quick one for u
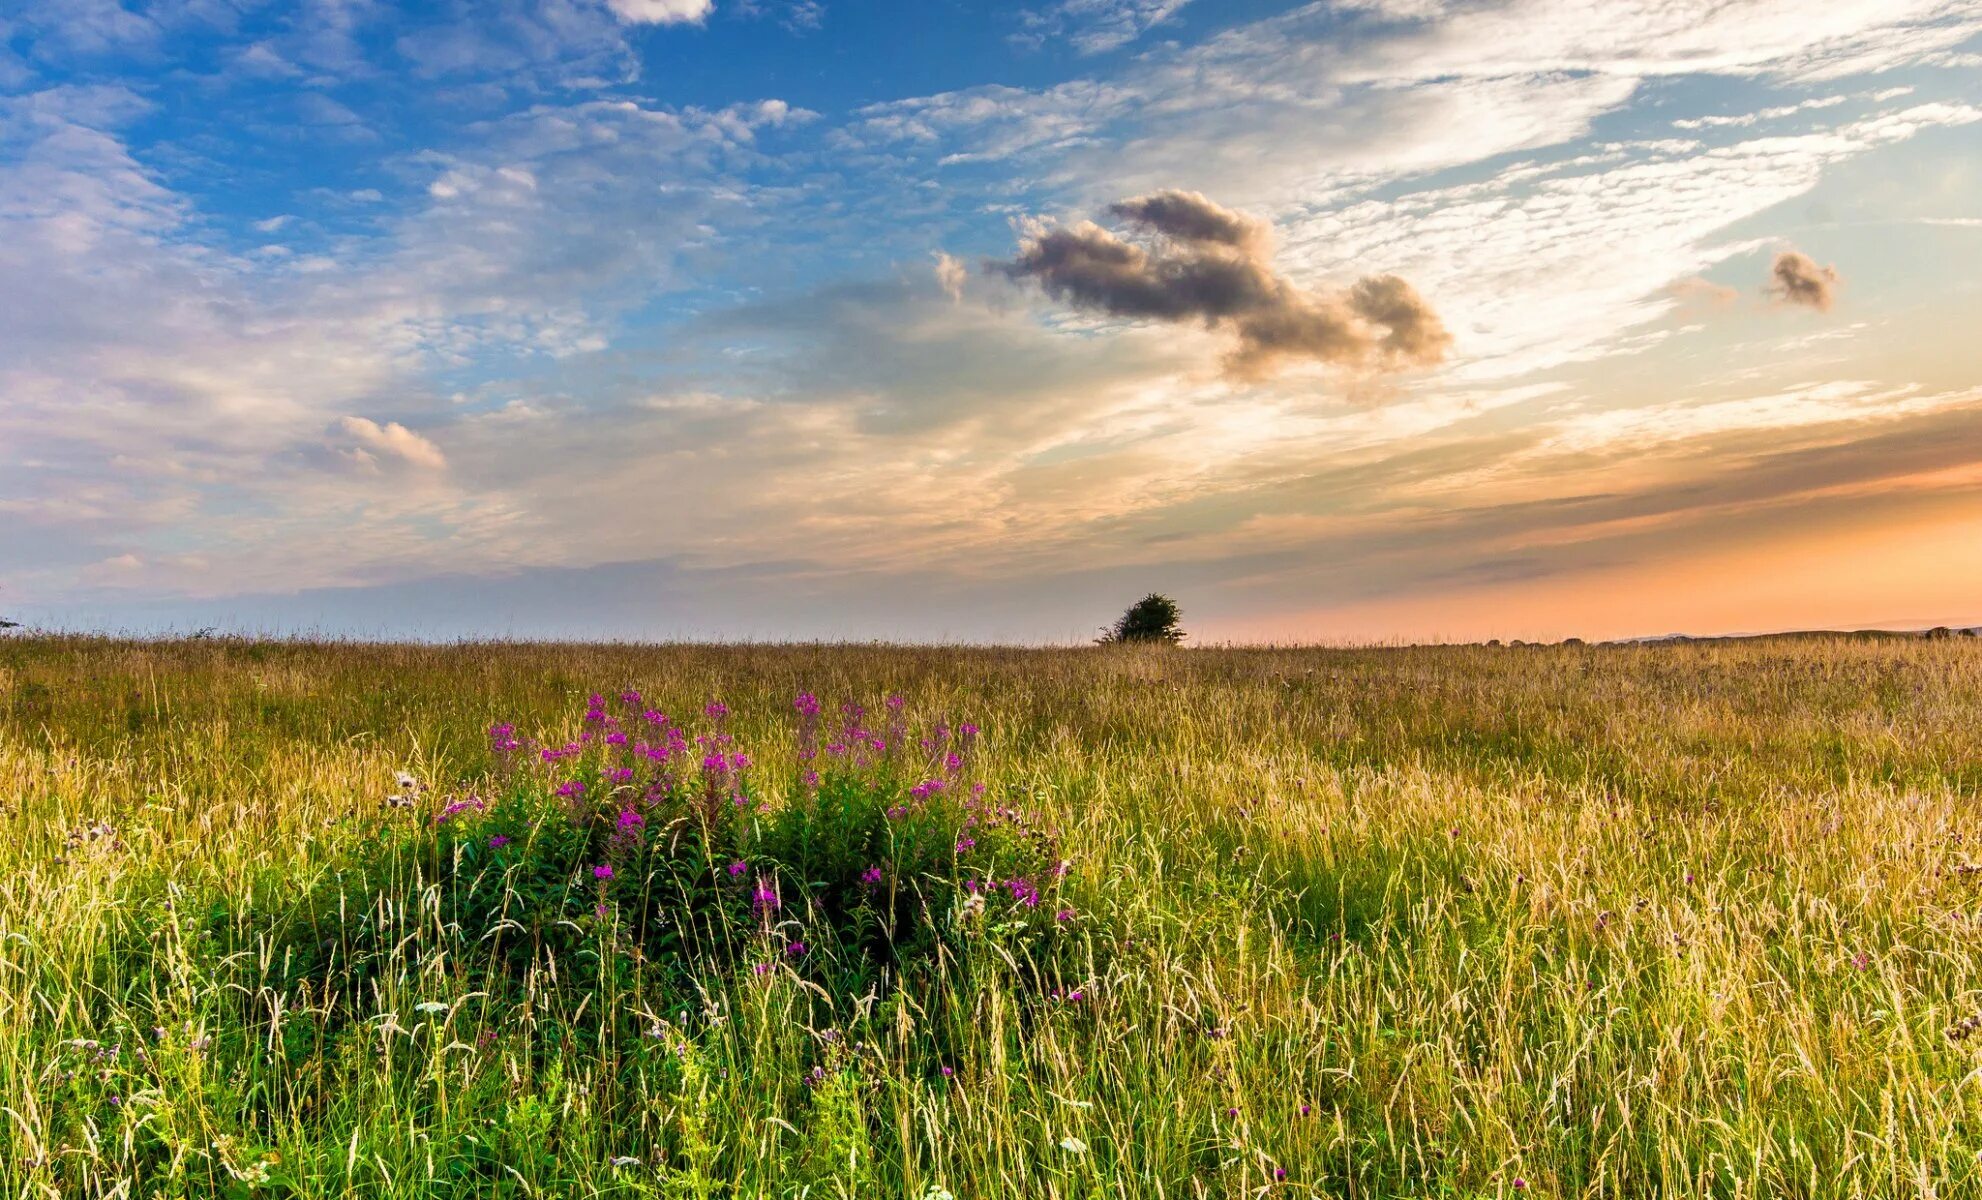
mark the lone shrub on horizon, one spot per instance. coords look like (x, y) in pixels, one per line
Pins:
(1152, 619)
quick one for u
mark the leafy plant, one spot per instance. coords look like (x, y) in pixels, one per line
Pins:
(1154, 619)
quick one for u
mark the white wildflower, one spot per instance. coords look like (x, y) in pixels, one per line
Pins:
(1073, 1145)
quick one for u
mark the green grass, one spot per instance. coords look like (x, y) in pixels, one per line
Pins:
(1678, 920)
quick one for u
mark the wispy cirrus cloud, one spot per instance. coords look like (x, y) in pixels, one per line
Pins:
(1096, 26)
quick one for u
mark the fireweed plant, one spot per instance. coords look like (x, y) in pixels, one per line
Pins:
(642, 850)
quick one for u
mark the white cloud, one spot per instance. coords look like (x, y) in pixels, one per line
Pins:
(660, 12)
(951, 275)
(1098, 26)
(391, 440)
(1544, 265)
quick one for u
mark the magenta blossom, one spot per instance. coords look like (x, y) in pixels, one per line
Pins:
(602, 871)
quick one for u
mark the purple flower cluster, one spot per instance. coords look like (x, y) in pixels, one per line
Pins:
(632, 772)
(451, 811)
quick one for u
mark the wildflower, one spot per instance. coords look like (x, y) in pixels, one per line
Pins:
(762, 968)
(571, 789)
(1073, 1145)
(870, 876)
(1065, 914)
(948, 1071)
(964, 844)
(715, 710)
(807, 704)
(602, 871)
(1279, 1173)
(1231, 1112)
(1861, 960)
(629, 820)
(738, 868)
(795, 949)
(1076, 996)
(765, 898)
(407, 783)
(498, 841)
(896, 702)
(1306, 1109)
(1520, 1184)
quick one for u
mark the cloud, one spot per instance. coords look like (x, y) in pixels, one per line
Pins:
(950, 276)
(1797, 279)
(391, 440)
(1098, 26)
(1696, 291)
(1189, 217)
(1209, 264)
(659, 12)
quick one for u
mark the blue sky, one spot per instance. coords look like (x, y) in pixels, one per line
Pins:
(714, 318)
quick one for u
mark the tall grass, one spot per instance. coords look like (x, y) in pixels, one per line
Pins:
(1676, 920)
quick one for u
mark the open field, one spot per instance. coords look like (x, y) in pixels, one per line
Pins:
(1678, 920)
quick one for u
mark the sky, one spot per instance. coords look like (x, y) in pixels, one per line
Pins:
(1358, 320)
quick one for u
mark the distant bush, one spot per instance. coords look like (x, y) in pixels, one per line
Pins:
(1154, 619)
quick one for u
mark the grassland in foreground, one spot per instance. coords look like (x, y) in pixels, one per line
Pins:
(1678, 920)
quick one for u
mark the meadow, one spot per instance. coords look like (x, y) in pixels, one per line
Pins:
(1677, 920)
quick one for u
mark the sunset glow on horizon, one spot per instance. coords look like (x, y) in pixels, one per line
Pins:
(1347, 321)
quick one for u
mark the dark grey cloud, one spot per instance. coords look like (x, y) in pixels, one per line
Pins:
(1796, 278)
(1203, 262)
(1190, 217)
